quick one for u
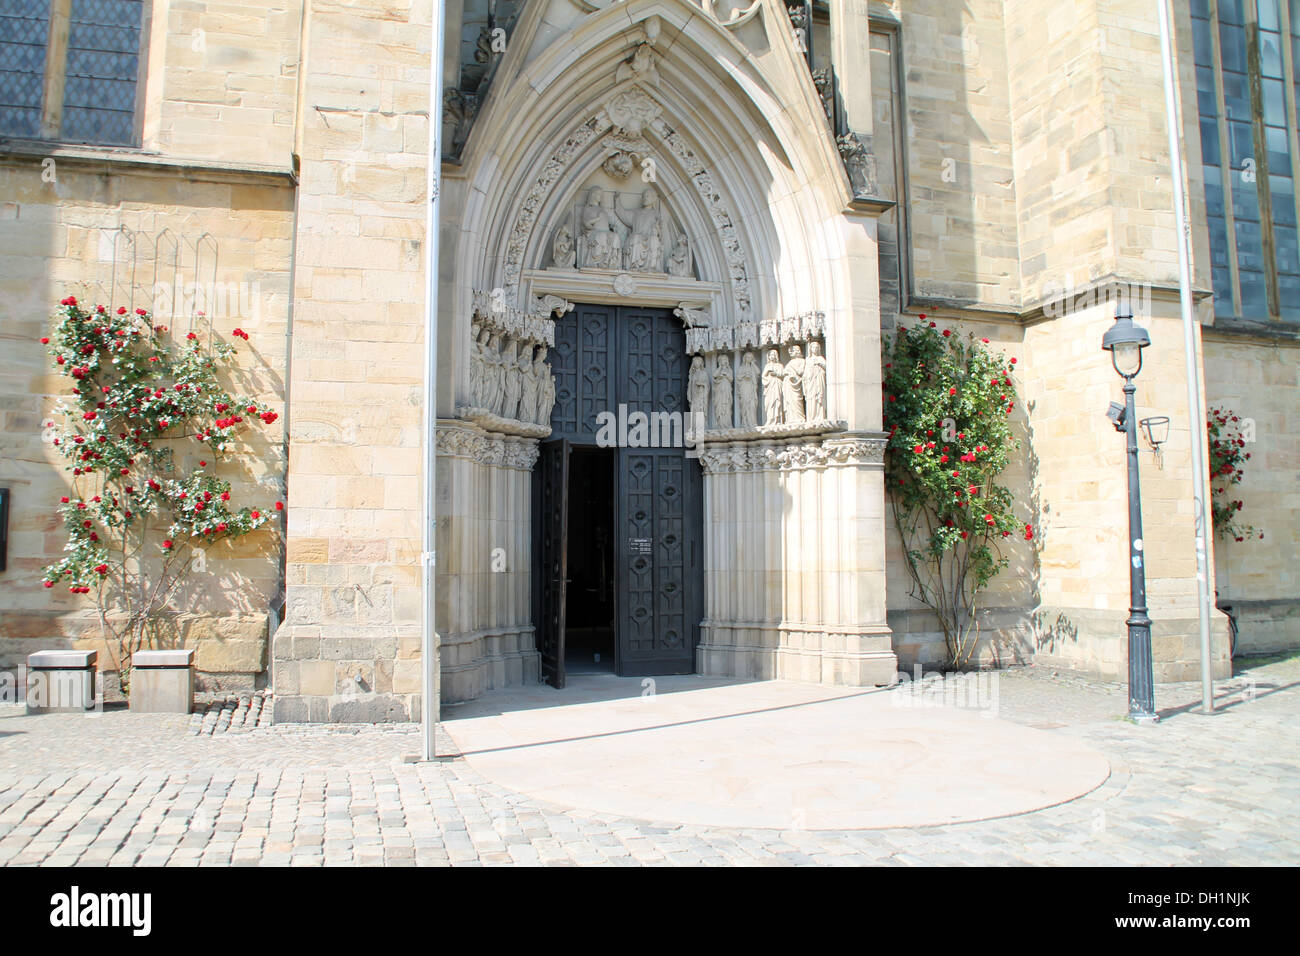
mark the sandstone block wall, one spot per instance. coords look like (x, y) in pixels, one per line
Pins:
(58, 238)
(1259, 380)
(352, 623)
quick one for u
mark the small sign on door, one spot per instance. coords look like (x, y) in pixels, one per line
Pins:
(639, 545)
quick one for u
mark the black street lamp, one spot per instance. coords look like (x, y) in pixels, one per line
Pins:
(1125, 342)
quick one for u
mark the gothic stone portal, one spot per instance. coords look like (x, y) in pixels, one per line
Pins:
(619, 556)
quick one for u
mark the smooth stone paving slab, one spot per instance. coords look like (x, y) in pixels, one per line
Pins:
(771, 754)
(220, 788)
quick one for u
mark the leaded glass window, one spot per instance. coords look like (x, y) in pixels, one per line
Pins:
(1246, 91)
(69, 69)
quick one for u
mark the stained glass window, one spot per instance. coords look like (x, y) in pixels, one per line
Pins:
(69, 69)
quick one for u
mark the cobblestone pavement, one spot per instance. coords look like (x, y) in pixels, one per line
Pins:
(161, 789)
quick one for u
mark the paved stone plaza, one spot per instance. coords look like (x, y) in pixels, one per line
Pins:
(222, 787)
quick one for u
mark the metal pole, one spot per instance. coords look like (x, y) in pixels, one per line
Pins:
(432, 695)
(1195, 409)
(1141, 689)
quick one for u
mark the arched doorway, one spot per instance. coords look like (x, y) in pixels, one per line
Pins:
(618, 500)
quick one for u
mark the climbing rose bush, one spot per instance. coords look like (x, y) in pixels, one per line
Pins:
(136, 519)
(947, 403)
(1228, 454)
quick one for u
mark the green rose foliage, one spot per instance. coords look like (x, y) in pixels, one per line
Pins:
(947, 403)
(134, 397)
(1228, 455)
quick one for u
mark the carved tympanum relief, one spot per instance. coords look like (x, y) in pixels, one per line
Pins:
(619, 230)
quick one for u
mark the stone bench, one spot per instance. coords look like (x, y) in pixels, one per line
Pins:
(162, 682)
(59, 681)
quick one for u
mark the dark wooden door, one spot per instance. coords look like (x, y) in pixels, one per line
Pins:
(659, 505)
(608, 356)
(553, 472)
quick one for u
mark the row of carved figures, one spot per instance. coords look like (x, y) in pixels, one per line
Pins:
(511, 378)
(792, 392)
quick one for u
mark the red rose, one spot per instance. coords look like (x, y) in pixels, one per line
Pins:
(225, 496)
(256, 515)
(48, 584)
(946, 333)
(203, 464)
(279, 506)
(64, 499)
(167, 543)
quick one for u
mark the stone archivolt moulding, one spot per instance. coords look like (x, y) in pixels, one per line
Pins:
(626, 115)
(463, 440)
(794, 456)
(739, 14)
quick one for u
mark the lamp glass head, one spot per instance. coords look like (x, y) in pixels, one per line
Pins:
(1125, 342)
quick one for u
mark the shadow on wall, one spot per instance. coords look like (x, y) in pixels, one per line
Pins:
(69, 239)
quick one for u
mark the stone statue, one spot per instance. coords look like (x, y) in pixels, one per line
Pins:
(679, 261)
(493, 384)
(545, 387)
(563, 254)
(792, 394)
(513, 382)
(722, 412)
(697, 389)
(773, 377)
(814, 382)
(747, 391)
(528, 383)
(645, 246)
(474, 385)
(601, 244)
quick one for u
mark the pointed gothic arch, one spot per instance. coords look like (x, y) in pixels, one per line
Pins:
(727, 114)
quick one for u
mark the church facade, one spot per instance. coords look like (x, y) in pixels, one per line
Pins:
(674, 236)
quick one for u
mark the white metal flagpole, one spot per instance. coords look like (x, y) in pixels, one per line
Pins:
(432, 696)
(1194, 407)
